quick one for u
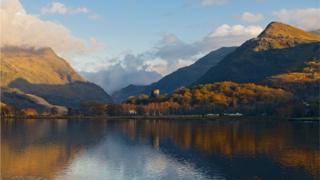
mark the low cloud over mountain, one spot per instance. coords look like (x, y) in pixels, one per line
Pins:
(117, 77)
(169, 54)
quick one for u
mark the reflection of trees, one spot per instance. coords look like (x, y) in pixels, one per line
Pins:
(45, 147)
(280, 141)
(35, 161)
(41, 148)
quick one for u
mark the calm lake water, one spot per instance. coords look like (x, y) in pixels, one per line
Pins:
(159, 149)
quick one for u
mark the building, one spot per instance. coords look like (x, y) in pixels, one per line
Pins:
(155, 93)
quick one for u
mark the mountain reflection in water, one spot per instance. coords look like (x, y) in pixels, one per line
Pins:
(159, 149)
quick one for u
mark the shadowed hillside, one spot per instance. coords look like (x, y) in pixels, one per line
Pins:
(70, 95)
(20, 100)
(42, 73)
(131, 90)
(278, 49)
(180, 78)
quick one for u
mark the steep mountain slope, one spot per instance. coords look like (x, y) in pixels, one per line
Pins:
(124, 93)
(37, 66)
(179, 78)
(278, 49)
(42, 73)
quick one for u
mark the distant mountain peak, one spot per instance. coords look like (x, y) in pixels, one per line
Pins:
(281, 30)
(36, 65)
(279, 35)
(273, 29)
(280, 48)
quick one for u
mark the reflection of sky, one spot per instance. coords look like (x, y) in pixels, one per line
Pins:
(116, 159)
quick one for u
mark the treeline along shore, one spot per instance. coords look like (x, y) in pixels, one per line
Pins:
(210, 117)
(276, 74)
(294, 94)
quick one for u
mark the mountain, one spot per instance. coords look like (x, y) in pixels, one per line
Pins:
(20, 100)
(317, 31)
(131, 90)
(179, 78)
(280, 48)
(117, 77)
(37, 66)
(305, 84)
(42, 73)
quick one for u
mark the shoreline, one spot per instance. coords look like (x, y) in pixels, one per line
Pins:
(167, 117)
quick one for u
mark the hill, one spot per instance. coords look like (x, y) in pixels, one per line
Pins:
(280, 48)
(180, 78)
(305, 84)
(131, 90)
(222, 97)
(42, 73)
(20, 100)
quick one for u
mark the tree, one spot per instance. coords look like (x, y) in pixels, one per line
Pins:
(54, 111)
(29, 112)
(93, 109)
(6, 111)
(219, 97)
(114, 110)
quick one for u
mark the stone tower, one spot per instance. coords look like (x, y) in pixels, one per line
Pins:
(155, 93)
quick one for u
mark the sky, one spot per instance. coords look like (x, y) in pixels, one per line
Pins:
(115, 43)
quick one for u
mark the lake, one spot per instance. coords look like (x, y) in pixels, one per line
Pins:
(159, 149)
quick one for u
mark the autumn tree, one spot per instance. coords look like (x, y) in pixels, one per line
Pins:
(114, 109)
(29, 112)
(93, 109)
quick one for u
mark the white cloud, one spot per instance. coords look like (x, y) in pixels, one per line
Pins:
(157, 65)
(226, 36)
(80, 10)
(13, 6)
(169, 54)
(22, 29)
(251, 18)
(129, 69)
(236, 30)
(55, 7)
(308, 19)
(213, 2)
(94, 16)
(169, 39)
(177, 53)
(59, 8)
(172, 49)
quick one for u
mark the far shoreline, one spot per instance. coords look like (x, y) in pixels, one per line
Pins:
(166, 117)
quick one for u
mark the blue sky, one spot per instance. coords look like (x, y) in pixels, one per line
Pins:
(115, 43)
(138, 24)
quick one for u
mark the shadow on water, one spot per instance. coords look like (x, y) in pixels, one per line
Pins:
(159, 149)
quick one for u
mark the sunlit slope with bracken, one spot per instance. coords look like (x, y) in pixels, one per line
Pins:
(42, 73)
(37, 66)
(280, 48)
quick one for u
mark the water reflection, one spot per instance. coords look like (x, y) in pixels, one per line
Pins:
(153, 149)
(40, 149)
